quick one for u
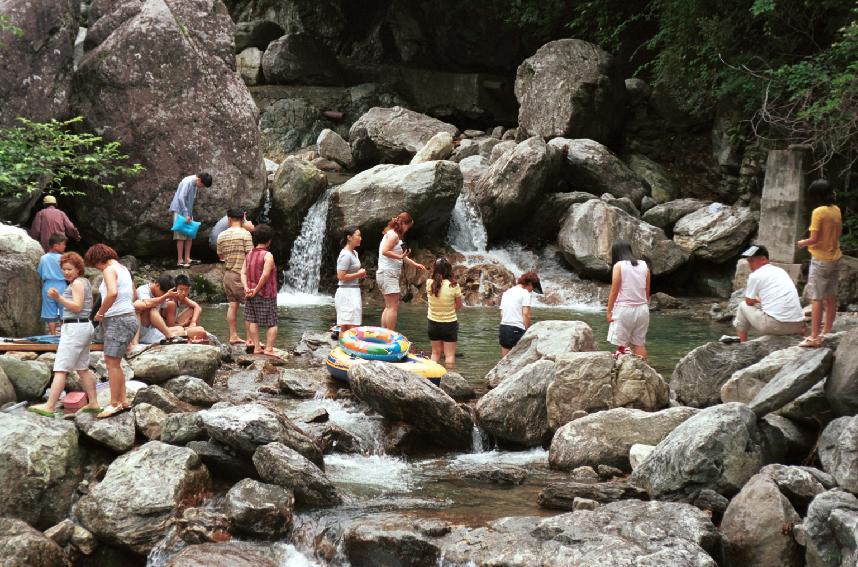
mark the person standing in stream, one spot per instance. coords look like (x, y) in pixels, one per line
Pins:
(259, 278)
(391, 256)
(182, 206)
(349, 273)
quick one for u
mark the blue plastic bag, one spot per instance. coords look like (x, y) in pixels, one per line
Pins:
(189, 229)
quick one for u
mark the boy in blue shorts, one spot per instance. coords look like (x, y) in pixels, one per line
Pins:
(52, 277)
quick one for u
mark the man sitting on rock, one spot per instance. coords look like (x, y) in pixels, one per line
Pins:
(771, 305)
(181, 310)
(151, 306)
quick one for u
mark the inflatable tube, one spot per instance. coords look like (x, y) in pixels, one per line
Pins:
(375, 343)
(339, 362)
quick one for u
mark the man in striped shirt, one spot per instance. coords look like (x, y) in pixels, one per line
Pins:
(233, 244)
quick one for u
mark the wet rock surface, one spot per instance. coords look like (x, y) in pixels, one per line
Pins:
(159, 364)
(258, 509)
(278, 464)
(23, 546)
(132, 507)
(40, 464)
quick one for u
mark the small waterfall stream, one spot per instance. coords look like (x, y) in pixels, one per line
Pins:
(563, 288)
(301, 282)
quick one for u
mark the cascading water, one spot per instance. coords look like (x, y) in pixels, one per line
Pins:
(563, 288)
(301, 282)
(466, 232)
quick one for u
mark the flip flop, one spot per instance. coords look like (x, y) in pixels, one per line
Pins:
(90, 410)
(238, 342)
(111, 411)
(810, 342)
(40, 410)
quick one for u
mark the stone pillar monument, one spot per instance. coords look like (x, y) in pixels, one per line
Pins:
(783, 211)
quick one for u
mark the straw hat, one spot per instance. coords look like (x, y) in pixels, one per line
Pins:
(49, 200)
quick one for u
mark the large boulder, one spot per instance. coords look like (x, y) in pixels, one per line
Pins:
(297, 185)
(40, 467)
(631, 532)
(588, 382)
(245, 427)
(28, 377)
(661, 188)
(792, 381)
(259, 509)
(514, 183)
(605, 437)
(278, 464)
(754, 523)
(134, 505)
(132, 88)
(831, 530)
(590, 229)
(400, 395)
(515, 410)
(841, 387)
(718, 449)
(36, 65)
(590, 166)
(393, 539)
(7, 390)
(370, 199)
(192, 390)
(700, 374)
(116, 433)
(838, 452)
(666, 215)
(570, 88)
(392, 135)
(300, 58)
(543, 340)
(161, 363)
(19, 257)
(229, 554)
(23, 546)
(746, 382)
(332, 146)
(439, 146)
(715, 233)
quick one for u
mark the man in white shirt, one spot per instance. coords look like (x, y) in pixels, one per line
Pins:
(771, 305)
(515, 311)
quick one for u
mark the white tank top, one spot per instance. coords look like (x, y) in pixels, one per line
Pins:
(389, 264)
(124, 303)
(633, 283)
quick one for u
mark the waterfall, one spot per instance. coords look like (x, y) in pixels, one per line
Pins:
(467, 235)
(301, 282)
(466, 232)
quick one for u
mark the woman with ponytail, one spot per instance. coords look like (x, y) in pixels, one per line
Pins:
(390, 259)
(349, 274)
(445, 298)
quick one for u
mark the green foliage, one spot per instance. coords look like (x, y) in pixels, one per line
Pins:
(52, 157)
(6, 25)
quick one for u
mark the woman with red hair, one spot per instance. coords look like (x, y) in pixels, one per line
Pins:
(118, 318)
(391, 255)
(76, 337)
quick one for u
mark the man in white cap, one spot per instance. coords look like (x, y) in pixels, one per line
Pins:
(50, 221)
(771, 305)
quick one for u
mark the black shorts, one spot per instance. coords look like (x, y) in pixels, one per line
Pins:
(447, 332)
(508, 336)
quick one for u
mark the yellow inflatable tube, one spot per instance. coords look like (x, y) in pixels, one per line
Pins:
(339, 362)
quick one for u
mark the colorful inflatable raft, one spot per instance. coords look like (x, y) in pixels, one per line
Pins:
(339, 362)
(375, 343)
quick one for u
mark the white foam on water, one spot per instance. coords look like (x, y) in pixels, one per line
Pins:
(291, 557)
(532, 456)
(380, 472)
(351, 417)
(292, 298)
(301, 280)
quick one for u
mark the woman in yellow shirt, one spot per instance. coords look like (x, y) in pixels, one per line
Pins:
(826, 226)
(445, 298)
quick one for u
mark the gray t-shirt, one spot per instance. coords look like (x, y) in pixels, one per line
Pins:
(349, 263)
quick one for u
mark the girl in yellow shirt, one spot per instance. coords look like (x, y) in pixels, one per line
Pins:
(445, 298)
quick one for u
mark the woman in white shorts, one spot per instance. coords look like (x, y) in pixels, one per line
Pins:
(75, 338)
(390, 259)
(349, 273)
(628, 303)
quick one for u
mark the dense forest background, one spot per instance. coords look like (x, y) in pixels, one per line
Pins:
(789, 66)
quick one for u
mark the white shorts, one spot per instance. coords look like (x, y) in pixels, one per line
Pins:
(73, 350)
(349, 308)
(629, 326)
(388, 281)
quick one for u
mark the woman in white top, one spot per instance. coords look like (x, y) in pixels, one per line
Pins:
(118, 318)
(628, 303)
(390, 259)
(349, 273)
(515, 311)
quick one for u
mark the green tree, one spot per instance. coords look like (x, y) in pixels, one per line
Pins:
(52, 157)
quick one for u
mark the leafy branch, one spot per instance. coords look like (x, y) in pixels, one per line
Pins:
(52, 157)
